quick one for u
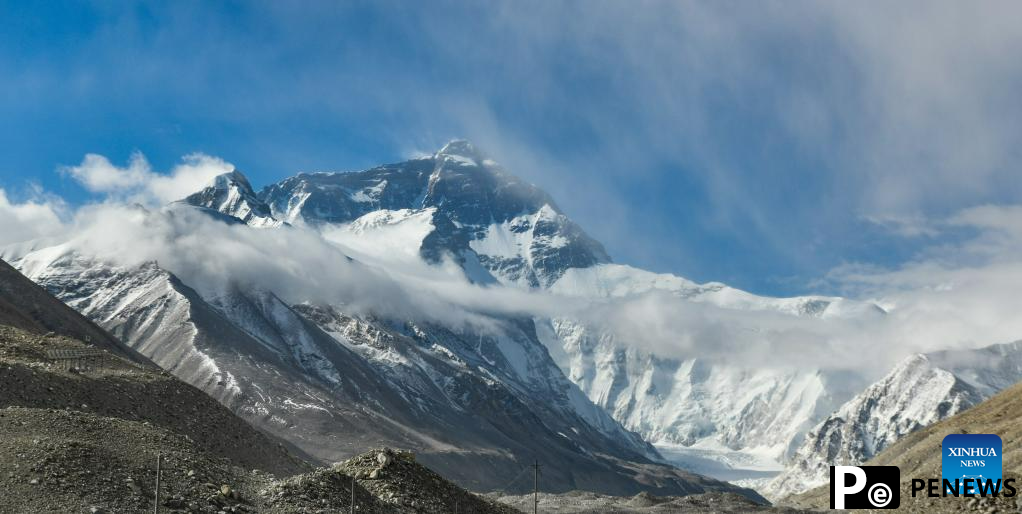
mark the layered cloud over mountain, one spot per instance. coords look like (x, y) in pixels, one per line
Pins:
(430, 285)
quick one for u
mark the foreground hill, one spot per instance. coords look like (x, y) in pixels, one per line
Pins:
(25, 305)
(919, 456)
(583, 502)
(83, 435)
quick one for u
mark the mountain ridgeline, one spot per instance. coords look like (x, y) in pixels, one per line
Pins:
(468, 194)
(477, 406)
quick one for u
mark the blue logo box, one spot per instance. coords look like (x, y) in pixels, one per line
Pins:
(975, 456)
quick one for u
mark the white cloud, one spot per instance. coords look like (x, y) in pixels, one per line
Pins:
(99, 175)
(32, 219)
(137, 182)
(961, 292)
(952, 295)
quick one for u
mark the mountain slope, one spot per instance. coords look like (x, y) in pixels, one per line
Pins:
(25, 305)
(475, 406)
(458, 205)
(918, 455)
(79, 434)
(713, 416)
(923, 389)
(86, 437)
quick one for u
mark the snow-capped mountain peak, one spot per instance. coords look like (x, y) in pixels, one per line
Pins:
(460, 150)
(477, 207)
(457, 205)
(231, 194)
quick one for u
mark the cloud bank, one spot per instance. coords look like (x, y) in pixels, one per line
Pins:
(951, 295)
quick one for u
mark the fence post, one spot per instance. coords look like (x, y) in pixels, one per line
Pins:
(535, 489)
(156, 503)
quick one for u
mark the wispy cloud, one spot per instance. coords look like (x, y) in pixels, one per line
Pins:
(138, 182)
(685, 135)
(960, 293)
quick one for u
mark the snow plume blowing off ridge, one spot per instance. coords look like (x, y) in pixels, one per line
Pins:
(933, 303)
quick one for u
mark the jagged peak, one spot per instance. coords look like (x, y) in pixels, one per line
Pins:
(460, 148)
(235, 178)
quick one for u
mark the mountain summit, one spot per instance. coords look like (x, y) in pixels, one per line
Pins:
(232, 194)
(476, 401)
(486, 219)
(461, 148)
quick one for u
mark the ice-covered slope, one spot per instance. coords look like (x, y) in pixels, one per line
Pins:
(730, 420)
(919, 455)
(476, 406)
(921, 390)
(458, 205)
(618, 281)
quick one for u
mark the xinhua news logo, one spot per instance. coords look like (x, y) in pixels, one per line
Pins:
(865, 487)
(970, 466)
(974, 459)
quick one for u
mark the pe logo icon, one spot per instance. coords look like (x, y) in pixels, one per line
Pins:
(972, 459)
(865, 487)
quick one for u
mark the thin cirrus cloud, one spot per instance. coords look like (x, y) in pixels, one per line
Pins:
(685, 135)
(872, 148)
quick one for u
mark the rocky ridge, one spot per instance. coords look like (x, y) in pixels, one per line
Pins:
(922, 390)
(918, 455)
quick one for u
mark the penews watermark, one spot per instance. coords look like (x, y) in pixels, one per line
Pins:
(865, 487)
(971, 465)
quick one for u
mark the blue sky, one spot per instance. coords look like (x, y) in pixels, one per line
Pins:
(764, 145)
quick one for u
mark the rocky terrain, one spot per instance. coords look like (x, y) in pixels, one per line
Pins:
(27, 306)
(581, 502)
(84, 434)
(396, 478)
(918, 455)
